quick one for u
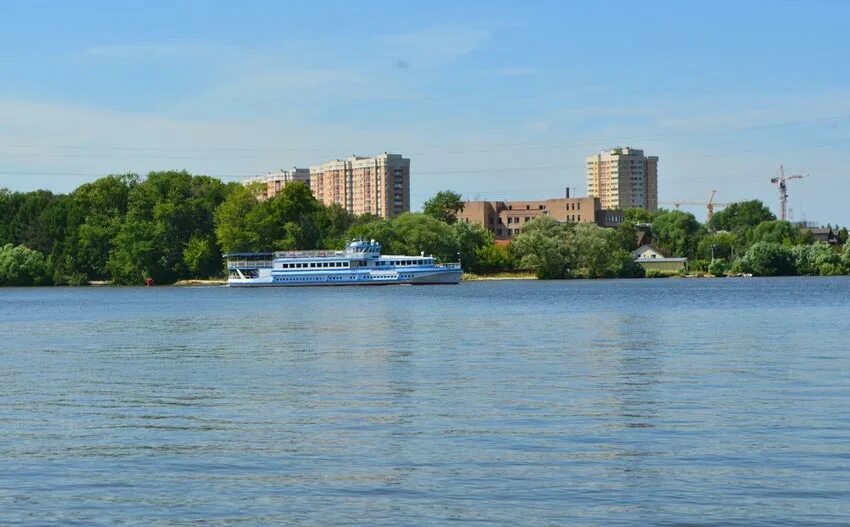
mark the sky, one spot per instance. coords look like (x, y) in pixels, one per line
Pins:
(494, 100)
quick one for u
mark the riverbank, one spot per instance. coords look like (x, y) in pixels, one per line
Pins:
(471, 277)
(198, 282)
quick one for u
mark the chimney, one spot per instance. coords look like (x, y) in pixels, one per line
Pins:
(568, 192)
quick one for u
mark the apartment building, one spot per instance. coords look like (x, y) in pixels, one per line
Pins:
(274, 182)
(377, 185)
(623, 178)
(505, 219)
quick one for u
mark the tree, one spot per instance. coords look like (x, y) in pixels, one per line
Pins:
(596, 252)
(201, 257)
(101, 207)
(20, 266)
(776, 231)
(744, 214)
(469, 239)
(677, 232)
(637, 215)
(416, 232)
(165, 212)
(627, 233)
(541, 247)
(234, 229)
(768, 259)
(493, 258)
(333, 223)
(816, 259)
(845, 257)
(842, 235)
(719, 245)
(444, 206)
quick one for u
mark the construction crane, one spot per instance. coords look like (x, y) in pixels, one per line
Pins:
(783, 189)
(708, 206)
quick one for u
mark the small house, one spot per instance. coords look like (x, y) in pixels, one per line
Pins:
(652, 259)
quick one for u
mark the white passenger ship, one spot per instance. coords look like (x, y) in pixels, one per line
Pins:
(360, 264)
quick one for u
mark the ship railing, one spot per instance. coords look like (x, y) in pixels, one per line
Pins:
(454, 265)
(309, 254)
(248, 264)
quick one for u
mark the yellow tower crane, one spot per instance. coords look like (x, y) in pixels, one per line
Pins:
(709, 206)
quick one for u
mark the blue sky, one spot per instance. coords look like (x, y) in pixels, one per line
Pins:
(496, 100)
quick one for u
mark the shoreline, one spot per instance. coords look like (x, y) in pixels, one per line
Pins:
(472, 277)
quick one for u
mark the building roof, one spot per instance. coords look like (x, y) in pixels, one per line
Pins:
(648, 247)
(661, 258)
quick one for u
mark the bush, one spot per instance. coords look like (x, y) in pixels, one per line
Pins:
(22, 266)
(812, 259)
(719, 268)
(655, 273)
(493, 258)
(768, 259)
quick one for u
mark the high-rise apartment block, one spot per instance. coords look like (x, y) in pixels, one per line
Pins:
(377, 185)
(274, 182)
(623, 178)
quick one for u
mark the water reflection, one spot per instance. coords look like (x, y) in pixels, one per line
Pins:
(513, 403)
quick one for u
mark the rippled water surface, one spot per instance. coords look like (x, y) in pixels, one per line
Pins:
(704, 402)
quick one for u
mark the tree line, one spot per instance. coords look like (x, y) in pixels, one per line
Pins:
(174, 225)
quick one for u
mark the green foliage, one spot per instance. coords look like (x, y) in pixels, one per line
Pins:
(636, 215)
(201, 257)
(173, 225)
(719, 267)
(101, 207)
(745, 214)
(816, 259)
(469, 239)
(164, 213)
(768, 259)
(444, 206)
(655, 273)
(717, 245)
(583, 250)
(541, 248)
(20, 266)
(845, 257)
(677, 233)
(292, 219)
(234, 222)
(493, 258)
(777, 231)
(591, 250)
(417, 232)
(627, 232)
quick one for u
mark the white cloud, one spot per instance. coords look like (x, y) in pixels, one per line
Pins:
(434, 46)
(159, 51)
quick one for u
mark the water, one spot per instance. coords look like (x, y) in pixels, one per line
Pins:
(650, 402)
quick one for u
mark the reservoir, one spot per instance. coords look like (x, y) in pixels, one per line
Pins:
(642, 402)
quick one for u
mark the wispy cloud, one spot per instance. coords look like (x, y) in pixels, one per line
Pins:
(156, 51)
(516, 72)
(436, 45)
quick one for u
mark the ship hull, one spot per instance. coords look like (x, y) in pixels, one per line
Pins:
(438, 277)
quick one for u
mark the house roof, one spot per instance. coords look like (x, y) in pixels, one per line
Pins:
(647, 247)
